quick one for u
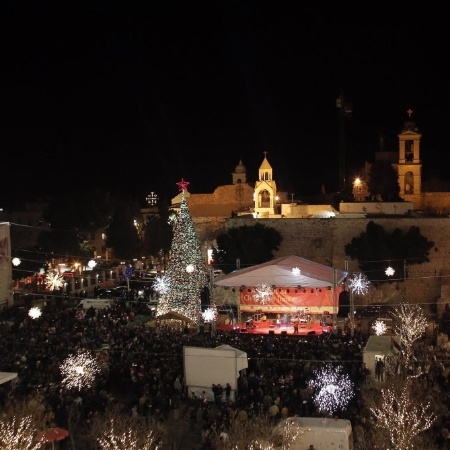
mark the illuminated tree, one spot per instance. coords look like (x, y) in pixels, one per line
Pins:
(18, 434)
(115, 430)
(401, 417)
(257, 434)
(21, 421)
(119, 438)
(186, 274)
(411, 325)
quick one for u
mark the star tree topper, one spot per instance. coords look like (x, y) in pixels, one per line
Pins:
(183, 185)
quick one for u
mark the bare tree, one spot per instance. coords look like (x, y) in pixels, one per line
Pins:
(411, 325)
(401, 416)
(257, 433)
(21, 421)
(116, 430)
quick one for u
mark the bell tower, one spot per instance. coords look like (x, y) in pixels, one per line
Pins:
(409, 164)
(265, 190)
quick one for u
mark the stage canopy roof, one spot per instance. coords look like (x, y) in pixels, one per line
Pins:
(279, 272)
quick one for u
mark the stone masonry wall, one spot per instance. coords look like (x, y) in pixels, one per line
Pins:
(323, 241)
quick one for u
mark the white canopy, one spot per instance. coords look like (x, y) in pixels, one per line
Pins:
(279, 272)
(7, 376)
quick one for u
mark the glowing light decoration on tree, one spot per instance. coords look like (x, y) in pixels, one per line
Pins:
(379, 327)
(35, 313)
(411, 325)
(359, 284)
(184, 290)
(190, 268)
(132, 439)
(403, 416)
(161, 285)
(54, 281)
(296, 271)
(79, 370)
(19, 434)
(210, 314)
(263, 293)
(333, 389)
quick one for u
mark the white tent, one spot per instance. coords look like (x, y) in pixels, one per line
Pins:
(279, 272)
(7, 376)
(204, 367)
(384, 347)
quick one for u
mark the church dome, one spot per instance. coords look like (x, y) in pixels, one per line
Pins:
(240, 168)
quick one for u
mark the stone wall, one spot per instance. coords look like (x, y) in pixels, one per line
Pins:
(323, 241)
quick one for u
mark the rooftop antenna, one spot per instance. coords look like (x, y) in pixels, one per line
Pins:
(292, 198)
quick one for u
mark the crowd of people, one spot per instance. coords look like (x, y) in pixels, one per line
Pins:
(148, 361)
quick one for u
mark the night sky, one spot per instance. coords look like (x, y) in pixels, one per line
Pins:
(132, 98)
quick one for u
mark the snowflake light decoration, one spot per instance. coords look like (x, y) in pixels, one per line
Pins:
(263, 293)
(333, 389)
(190, 268)
(389, 271)
(92, 264)
(296, 271)
(359, 284)
(161, 285)
(16, 261)
(379, 327)
(35, 313)
(79, 371)
(54, 281)
(210, 314)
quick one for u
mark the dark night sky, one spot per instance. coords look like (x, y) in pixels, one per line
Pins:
(133, 98)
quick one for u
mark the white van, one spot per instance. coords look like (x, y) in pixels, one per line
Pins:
(97, 303)
(323, 433)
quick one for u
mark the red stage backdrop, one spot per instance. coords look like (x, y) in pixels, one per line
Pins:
(292, 300)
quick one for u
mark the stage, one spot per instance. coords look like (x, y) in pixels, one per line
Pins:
(266, 327)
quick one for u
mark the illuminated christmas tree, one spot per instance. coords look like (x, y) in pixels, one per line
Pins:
(186, 274)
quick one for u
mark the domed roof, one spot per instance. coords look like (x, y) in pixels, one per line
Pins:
(240, 168)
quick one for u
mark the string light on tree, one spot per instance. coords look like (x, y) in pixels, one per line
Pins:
(263, 293)
(133, 439)
(359, 284)
(54, 281)
(411, 325)
(35, 313)
(379, 327)
(333, 388)
(403, 416)
(79, 370)
(190, 268)
(18, 434)
(184, 290)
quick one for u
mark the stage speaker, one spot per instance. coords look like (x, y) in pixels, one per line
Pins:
(243, 330)
(271, 331)
(284, 332)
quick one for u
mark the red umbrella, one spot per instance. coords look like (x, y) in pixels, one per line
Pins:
(52, 435)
